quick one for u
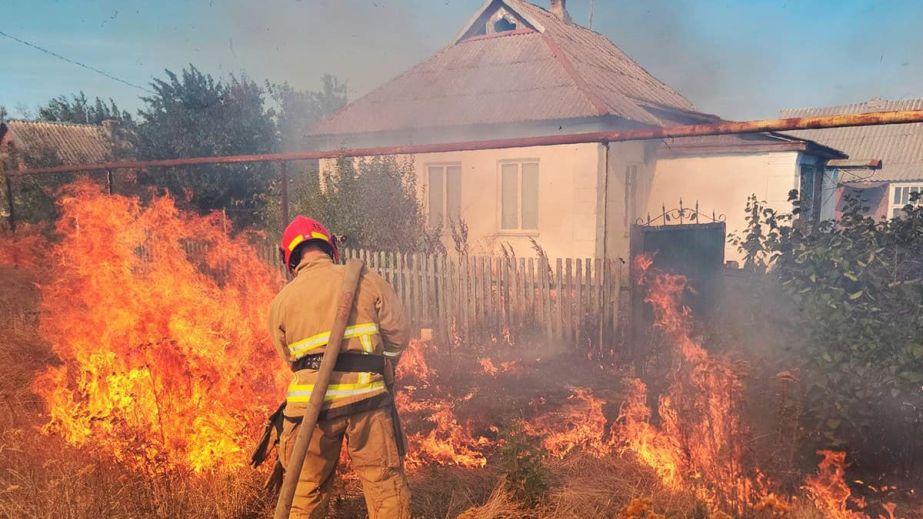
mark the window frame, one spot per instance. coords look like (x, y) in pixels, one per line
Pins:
(445, 192)
(518, 230)
(810, 211)
(896, 209)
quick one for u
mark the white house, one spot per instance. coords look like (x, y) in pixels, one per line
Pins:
(517, 70)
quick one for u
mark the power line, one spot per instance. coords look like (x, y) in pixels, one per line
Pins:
(79, 64)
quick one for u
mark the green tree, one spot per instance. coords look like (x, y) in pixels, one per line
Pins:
(373, 201)
(298, 110)
(192, 114)
(78, 109)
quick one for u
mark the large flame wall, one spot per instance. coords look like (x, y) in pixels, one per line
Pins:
(159, 362)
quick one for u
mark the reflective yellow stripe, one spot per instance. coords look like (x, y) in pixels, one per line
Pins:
(302, 392)
(363, 331)
(319, 236)
(296, 241)
(366, 340)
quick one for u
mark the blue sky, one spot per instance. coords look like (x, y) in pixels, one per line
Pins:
(737, 58)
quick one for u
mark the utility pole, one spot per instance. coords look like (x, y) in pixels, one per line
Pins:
(589, 22)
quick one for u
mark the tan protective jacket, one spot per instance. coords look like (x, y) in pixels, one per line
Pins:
(300, 317)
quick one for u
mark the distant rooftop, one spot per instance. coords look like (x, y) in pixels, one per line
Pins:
(71, 143)
(898, 146)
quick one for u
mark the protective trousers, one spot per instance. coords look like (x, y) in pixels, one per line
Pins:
(373, 454)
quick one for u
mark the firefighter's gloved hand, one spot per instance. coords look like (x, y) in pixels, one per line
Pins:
(389, 372)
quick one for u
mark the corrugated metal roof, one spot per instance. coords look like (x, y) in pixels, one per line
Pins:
(605, 68)
(72, 143)
(899, 146)
(559, 71)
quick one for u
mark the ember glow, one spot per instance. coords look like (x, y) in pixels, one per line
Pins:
(160, 363)
(579, 424)
(436, 437)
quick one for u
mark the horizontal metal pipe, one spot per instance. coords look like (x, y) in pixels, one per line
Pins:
(692, 130)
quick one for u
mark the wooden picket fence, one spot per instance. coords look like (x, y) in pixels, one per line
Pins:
(572, 302)
(569, 302)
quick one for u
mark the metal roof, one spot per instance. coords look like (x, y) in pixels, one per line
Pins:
(553, 70)
(71, 143)
(898, 146)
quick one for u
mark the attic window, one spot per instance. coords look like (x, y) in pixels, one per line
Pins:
(501, 21)
(504, 25)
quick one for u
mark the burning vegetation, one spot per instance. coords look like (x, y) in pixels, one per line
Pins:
(153, 374)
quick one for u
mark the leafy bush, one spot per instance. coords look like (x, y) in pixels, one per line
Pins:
(857, 286)
(373, 202)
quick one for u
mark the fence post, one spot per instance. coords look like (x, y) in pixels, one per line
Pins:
(486, 285)
(520, 271)
(578, 318)
(546, 298)
(503, 287)
(530, 295)
(431, 301)
(602, 280)
(468, 302)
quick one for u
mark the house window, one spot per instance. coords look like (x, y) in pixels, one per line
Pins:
(519, 196)
(444, 196)
(902, 195)
(809, 190)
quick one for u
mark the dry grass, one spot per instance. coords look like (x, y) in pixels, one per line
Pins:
(42, 477)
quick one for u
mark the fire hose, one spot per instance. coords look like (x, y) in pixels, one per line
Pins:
(313, 409)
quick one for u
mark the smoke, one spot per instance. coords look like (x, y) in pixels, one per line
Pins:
(362, 42)
(746, 60)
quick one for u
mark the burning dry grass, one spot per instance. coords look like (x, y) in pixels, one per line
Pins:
(594, 447)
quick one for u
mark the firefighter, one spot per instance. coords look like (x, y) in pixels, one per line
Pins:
(358, 405)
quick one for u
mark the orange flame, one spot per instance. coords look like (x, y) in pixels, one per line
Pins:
(828, 487)
(577, 425)
(160, 362)
(488, 366)
(699, 443)
(446, 442)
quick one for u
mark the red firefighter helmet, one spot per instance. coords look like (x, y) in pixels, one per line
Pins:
(302, 230)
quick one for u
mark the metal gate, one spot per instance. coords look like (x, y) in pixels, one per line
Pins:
(681, 241)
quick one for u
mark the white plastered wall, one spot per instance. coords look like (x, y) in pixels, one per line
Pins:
(722, 183)
(626, 200)
(567, 197)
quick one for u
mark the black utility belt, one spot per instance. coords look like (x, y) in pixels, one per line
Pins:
(346, 362)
